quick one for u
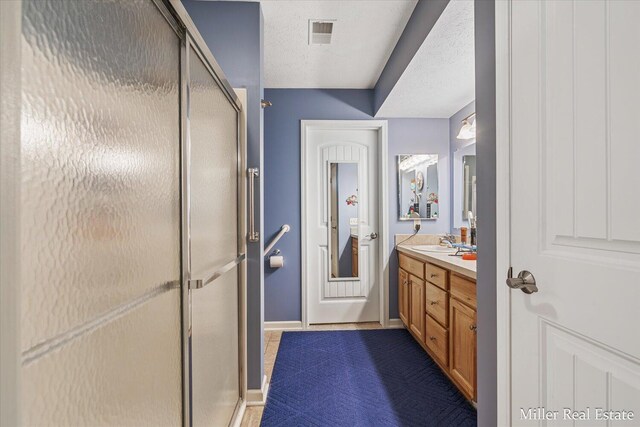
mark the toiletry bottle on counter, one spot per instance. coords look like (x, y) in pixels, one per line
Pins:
(473, 233)
(463, 235)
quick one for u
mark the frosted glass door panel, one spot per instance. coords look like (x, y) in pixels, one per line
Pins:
(213, 132)
(214, 242)
(100, 213)
(100, 159)
(215, 355)
(124, 374)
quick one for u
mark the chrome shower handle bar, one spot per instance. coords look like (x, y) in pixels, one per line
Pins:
(201, 283)
(253, 173)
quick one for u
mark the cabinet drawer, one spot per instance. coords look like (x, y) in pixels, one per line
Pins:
(437, 303)
(436, 339)
(464, 290)
(411, 265)
(436, 275)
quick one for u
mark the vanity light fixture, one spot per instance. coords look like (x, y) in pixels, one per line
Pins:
(410, 162)
(468, 129)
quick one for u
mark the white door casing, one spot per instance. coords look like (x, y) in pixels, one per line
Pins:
(350, 300)
(570, 114)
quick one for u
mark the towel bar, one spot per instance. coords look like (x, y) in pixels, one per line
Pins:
(284, 229)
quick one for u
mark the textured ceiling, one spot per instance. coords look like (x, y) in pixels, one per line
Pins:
(440, 79)
(364, 36)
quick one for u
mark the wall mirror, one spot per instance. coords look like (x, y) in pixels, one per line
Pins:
(343, 219)
(418, 186)
(464, 184)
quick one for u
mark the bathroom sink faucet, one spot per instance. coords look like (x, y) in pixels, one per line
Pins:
(448, 238)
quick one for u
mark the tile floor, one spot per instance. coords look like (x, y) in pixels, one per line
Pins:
(253, 414)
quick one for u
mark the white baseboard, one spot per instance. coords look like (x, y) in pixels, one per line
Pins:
(258, 397)
(236, 421)
(291, 325)
(395, 324)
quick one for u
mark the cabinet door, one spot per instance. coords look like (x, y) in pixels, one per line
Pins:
(462, 346)
(403, 296)
(416, 316)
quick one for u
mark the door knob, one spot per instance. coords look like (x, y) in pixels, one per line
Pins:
(373, 236)
(525, 281)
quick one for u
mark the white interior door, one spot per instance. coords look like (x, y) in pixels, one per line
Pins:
(347, 290)
(575, 68)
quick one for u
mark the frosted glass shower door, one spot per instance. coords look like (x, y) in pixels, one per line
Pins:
(100, 215)
(214, 250)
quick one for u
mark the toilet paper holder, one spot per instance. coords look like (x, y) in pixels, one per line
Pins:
(276, 260)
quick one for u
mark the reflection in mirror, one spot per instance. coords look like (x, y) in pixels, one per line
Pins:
(417, 186)
(464, 193)
(343, 235)
(469, 185)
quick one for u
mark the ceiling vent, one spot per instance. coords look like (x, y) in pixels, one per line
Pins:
(320, 31)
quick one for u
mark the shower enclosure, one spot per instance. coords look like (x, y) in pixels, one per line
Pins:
(131, 219)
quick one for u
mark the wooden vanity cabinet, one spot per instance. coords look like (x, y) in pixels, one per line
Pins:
(438, 307)
(403, 296)
(462, 347)
(416, 307)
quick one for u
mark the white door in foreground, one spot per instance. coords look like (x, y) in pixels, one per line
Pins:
(340, 201)
(575, 209)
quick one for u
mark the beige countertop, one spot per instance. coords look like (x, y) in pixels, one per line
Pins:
(453, 263)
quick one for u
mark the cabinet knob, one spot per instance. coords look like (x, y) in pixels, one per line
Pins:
(432, 338)
(433, 275)
(473, 328)
(433, 302)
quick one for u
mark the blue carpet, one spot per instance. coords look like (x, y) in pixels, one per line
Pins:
(360, 378)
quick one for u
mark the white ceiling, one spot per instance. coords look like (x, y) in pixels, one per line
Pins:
(440, 79)
(364, 36)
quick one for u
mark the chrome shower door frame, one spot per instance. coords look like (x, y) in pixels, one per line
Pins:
(191, 38)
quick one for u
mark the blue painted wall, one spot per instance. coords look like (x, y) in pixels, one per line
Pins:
(282, 179)
(422, 20)
(455, 123)
(233, 32)
(485, 53)
(415, 136)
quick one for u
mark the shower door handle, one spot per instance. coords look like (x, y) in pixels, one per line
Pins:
(253, 173)
(217, 272)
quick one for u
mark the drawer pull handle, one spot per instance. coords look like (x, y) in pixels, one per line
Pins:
(434, 302)
(473, 327)
(433, 275)
(432, 338)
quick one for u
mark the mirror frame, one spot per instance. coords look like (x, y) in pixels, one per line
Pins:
(398, 157)
(457, 191)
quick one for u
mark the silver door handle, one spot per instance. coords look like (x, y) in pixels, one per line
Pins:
(253, 173)
(525, 281)
(373, 236)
